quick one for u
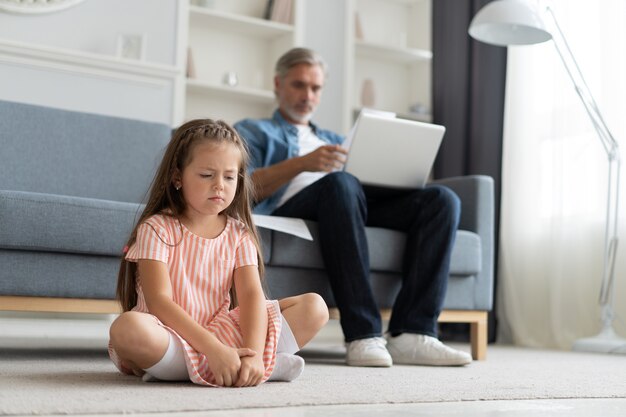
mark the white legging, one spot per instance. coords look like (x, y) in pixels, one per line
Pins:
(172, 366)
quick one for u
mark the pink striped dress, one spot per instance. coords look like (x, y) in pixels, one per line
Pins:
(201, 271)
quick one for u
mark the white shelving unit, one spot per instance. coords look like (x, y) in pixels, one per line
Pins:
(394, 55)
(397, 54)
(232, 37)
(256, 95)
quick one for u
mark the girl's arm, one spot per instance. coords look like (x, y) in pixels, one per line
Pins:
(253, 323)
(157, 288)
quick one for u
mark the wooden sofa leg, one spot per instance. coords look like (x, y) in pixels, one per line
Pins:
(478, 338)
(478, 328)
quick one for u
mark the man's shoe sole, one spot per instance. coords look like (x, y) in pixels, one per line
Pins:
(378, 363)
(431, 363)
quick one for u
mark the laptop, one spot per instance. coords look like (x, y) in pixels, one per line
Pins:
(386, 151)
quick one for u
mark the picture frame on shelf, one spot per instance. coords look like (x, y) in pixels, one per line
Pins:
(131, 46)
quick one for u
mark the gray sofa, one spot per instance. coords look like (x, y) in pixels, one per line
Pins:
(71, 184)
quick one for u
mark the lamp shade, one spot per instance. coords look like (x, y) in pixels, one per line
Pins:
(508, 22)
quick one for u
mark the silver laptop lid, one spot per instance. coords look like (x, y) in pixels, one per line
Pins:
(392, 152)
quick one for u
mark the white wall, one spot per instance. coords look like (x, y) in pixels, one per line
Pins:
(69, 59)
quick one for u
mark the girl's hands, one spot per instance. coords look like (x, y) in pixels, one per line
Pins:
(251, 371)
(226, 362)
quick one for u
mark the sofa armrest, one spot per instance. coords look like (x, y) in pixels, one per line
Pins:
(477, 215)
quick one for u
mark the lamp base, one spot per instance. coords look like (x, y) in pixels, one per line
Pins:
(607, 341)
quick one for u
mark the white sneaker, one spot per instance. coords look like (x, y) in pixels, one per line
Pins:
(368, 352)
(419, 349)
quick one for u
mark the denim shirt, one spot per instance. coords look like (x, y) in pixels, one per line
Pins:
(274, 140)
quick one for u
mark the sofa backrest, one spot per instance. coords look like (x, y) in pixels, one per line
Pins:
(55, 151)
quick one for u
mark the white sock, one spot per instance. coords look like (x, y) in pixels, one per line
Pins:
(287, 367)
(149, 378)
(171, 367)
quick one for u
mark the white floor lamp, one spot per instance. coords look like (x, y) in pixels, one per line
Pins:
(517, 22)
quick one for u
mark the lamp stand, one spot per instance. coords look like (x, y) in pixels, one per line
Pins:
(607, 341)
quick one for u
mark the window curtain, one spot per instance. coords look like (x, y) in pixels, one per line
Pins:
(468, 99)
(554, 181)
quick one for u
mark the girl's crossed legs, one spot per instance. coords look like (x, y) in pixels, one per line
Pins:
(141, 343)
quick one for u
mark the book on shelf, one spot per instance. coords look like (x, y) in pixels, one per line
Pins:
(280, 10)
(267, 14)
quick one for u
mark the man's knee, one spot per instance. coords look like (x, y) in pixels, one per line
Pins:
(446, 200)
(343, 189)
(343, 182)
(446, 195)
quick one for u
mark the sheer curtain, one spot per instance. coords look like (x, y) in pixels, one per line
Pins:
(554, 181)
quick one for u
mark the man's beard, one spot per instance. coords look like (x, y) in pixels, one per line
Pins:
(299, 117)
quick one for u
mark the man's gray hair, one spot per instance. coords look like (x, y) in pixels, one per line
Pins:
(298, 56)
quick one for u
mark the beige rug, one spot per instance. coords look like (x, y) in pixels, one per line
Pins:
(84, 382)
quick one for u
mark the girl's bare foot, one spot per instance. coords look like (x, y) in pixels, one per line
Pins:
(130, 368)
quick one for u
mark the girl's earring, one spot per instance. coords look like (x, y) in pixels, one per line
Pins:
(177, 187)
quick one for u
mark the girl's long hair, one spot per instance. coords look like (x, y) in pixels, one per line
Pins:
(164, 199)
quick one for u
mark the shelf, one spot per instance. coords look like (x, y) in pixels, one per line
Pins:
(212, 90)
(87, 60)
(230, 22)
(392, 53)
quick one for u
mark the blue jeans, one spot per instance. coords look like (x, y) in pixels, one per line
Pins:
(342, 207)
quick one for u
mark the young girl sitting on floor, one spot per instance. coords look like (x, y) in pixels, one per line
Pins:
(194, 245)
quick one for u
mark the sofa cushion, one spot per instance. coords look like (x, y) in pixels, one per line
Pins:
(265, 237)
(55, 223)
(385, 251)
(54, 151)
(50, 274)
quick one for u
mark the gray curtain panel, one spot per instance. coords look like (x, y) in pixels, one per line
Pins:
(468, 98)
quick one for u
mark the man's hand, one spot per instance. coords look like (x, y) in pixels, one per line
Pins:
(225, 363)
(269, 179)
(325, 158)
(251, 371)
